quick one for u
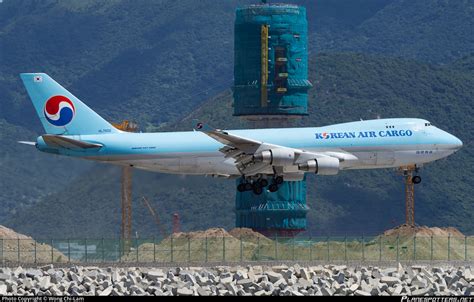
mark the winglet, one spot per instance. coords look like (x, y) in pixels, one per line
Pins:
(200, 126)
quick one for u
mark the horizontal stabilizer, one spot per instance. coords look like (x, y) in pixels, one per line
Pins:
(56, 141)
(27, 143)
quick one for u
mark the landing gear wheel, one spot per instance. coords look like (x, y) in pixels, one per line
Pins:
(263, 182)
(279, 180)
(416, 179)
(257, 190)
(248, 186)
(241, 187)
(273, 188)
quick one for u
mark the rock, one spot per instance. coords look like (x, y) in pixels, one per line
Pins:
(274, 277)
(389, 271)
(340, 278)
(155, 274)
(327, 291)
(261, 293)
(226, 280)
(203, 292)
(44, 283)
(421, 292)
(304, 274)
(361, 293)
(390, 281)
(4, 276)
(3, 290)
(419, 282)
(376, 274)
(184, 292)
(246, 283)
(32, 273)
(279, 268)
(354, 287)
(107, 291)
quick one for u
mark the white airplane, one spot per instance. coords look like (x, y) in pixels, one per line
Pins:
(264, 158)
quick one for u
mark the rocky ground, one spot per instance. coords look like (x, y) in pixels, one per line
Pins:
(251, 280)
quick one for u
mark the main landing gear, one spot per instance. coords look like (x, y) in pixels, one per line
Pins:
(258, 185)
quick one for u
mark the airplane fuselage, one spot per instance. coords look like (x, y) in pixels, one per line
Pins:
(371, 144)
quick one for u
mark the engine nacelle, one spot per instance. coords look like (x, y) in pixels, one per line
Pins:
(276, 157)
(321, 166)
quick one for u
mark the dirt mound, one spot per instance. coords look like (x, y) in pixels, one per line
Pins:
(210, 233)
(7, 233)
(406, 230)
(245, 233)
(16, 247)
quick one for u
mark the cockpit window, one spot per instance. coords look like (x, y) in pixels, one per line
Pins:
(427, 124)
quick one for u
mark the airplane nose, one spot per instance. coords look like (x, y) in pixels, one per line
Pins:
(453, 142)
(457, 143)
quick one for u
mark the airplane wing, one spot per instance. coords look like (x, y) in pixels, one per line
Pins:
(252, 156)
(57, 141)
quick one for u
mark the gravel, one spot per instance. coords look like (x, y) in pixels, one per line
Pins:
(238, 281)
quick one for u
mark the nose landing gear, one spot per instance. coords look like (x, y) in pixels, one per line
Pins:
(416, 179)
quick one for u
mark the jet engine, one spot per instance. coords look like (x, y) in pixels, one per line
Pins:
(276, 157)
(321, 166)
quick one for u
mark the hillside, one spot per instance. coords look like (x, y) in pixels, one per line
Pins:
(168, 57)
(436, 31)
(347, 87)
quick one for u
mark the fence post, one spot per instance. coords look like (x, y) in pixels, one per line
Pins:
(189, 249)
(398, 251)
(345, 248)
(293, 249)
(241, 249)
(120, 249)
(171, 243)
(327, 244)
(68, 251)
(449, 246)
(2, 249)
(34, 249)
(18, 247)
(431, 248)
(380, 248)
(223, 247)
(136, 246)
(310, 249)
(276, 248)
(154, 249)
(85, 246)
(465, 248)
(258, 248)
(103, 250)
(363, 248)
(414, 247)
(207, 252)
(52, 251)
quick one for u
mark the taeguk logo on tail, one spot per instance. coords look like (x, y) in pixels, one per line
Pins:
(59, 110)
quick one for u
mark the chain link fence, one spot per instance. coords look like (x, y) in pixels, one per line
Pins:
(224, 249)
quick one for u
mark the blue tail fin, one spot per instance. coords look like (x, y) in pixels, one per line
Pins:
(61, 112)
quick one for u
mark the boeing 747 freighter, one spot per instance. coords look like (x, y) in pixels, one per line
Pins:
(263, 157)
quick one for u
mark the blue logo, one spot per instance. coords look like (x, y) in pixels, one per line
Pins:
(363, 134)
